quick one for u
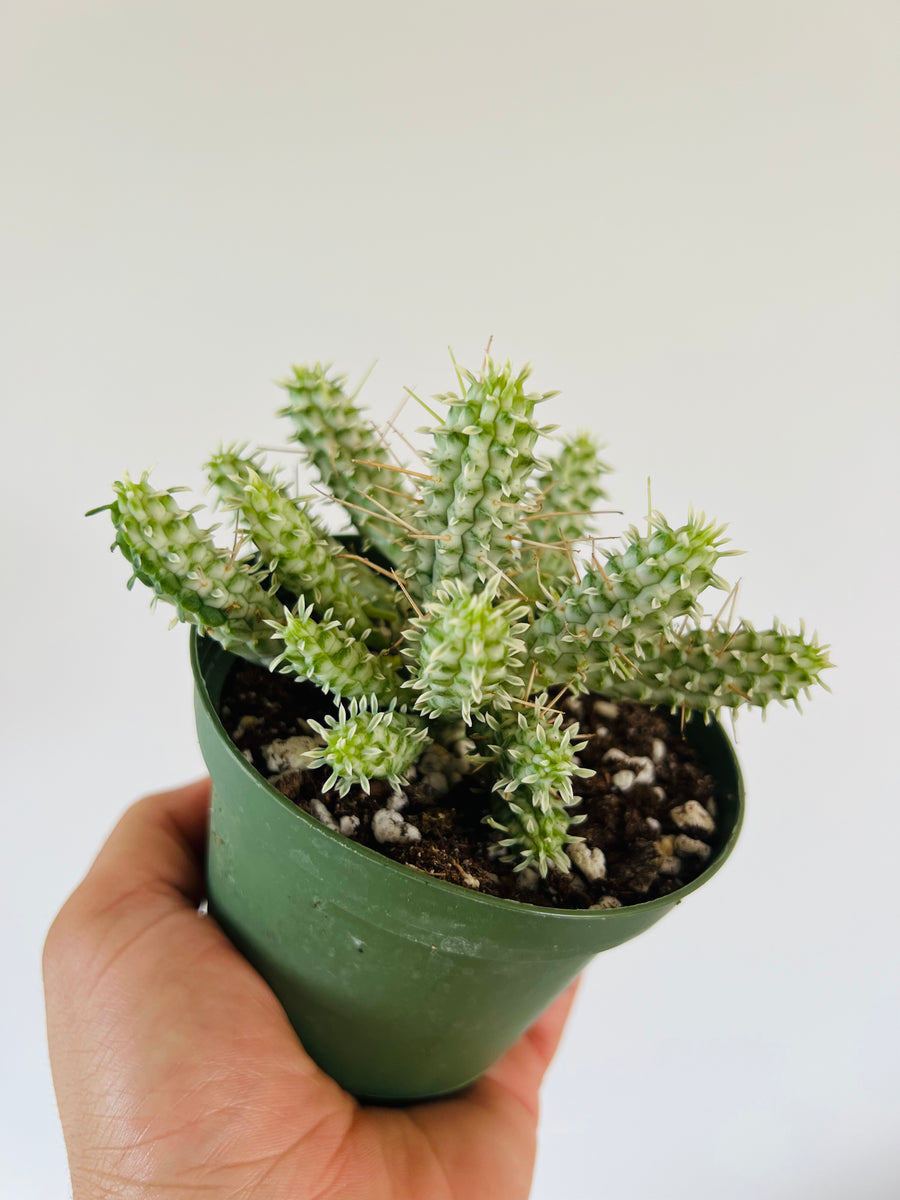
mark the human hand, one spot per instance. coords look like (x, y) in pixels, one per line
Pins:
(178, 1075)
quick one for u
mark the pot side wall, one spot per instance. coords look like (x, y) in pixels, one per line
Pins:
(399, 985)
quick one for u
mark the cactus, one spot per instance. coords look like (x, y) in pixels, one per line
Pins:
(365, 742)
(482, 593)
(535, 760)
(179, 561)
(352, 460)
(466, 652)
(635, 593)
(481, 467)
(567, 492)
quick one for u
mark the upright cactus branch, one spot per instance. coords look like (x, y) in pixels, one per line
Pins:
(567, 492)
(303, 557)
(348, 454)
(466, 652)
(535, 764)
(481, 465)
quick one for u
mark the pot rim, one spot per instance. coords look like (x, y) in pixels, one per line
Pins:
(423, 878)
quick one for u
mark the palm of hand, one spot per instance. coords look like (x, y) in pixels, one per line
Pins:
(178, 1075)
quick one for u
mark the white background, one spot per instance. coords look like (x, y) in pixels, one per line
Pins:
(685, 214)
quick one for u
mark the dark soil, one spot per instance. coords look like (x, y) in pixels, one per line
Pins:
(649, 853)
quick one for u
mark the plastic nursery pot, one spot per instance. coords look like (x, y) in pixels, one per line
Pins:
(400, 986)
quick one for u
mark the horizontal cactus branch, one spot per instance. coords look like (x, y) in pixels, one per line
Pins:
(474, 587)
(208, 587)
(707, 669)
(629, 597)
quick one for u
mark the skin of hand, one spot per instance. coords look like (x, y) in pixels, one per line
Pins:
(178, 1076)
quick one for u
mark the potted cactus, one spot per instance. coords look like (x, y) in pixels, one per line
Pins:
(471, 621)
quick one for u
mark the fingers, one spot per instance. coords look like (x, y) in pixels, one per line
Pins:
(151, 864)
(520, 1072)
(158, 844)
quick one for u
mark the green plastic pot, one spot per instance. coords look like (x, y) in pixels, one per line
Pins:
(400, 986)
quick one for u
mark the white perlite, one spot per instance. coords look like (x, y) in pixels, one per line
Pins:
(606, 902)
(693, 815)
(439, 769)
(246, 723)
(349, 826)
(639, 767)
(670, 865)
(397, 802)
(590, 860)
(389, 826)
(289, 754)
(691, 846)
(658, 750)
(248, 754)
(321, 813)
(624, 780)
(653, 825)
(603, 708)
(528, 879)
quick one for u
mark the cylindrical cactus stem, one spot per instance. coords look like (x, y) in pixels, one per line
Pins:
(350, 457)
(366, 742)
(480, 466)
(465, 652)
(566, 494)
(303, 557)
(707, 669)
(629, 597)
(179, 561)
(325, 653)
(534, 760)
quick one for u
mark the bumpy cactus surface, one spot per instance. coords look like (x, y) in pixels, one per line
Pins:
(473, 598)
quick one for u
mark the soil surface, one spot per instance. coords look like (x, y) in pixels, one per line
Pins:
(649, 808)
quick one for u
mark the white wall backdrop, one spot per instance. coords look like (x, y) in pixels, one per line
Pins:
(685, 214)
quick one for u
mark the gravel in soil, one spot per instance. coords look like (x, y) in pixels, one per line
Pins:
(649, 808)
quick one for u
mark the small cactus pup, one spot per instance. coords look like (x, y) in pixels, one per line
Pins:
(476, 639)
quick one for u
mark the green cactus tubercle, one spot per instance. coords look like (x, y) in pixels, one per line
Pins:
(474, 585)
